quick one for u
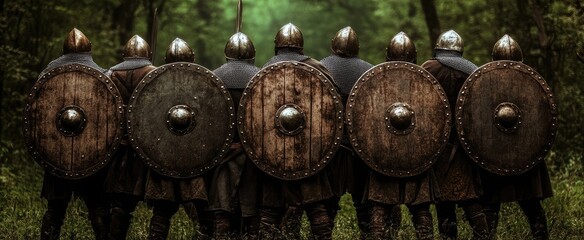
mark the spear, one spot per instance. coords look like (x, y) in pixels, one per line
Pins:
(154, 34)
(239, 13)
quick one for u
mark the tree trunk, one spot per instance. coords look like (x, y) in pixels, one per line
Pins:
(545, 40)
(432, 20)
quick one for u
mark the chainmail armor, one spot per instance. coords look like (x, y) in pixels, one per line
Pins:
(236, 73)
(130, 64)
(285, 55)
(345, 71)
(454, 60)
(84, 58)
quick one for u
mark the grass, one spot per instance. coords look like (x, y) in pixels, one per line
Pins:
(21, 210)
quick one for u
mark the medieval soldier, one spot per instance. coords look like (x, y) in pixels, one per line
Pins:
(527, 189)
(310, 194)
(165, 193)
(127, 175)
(347, 170)
(58, 191)
(386, 192)
(234, 192)
(456, 173)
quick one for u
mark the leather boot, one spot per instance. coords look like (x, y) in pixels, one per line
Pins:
(477, 219)
(363, 218)
(292, 222)
(536, 217)
(251, 227)
(270, 219)
(53, 220)
(222, 226)
(446, 213)
(394, 220)
(120, 222)
(377, 223)
(160, 221)
(100, 220)
(320, 222)
(422, 219)
(492, 214)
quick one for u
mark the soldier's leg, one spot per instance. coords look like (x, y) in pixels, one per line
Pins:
(446, 213)
(160, 221)
(379, 213)
(422, 219)
(122, 206)
(292, 222)
(394, 221)
(536, 217)
(270, 219)
(477, 219)
(320, 222)
(491, 211)
(99, 214)
(53, 219)
(251, 227)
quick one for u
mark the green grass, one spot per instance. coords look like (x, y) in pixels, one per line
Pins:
(21, 210)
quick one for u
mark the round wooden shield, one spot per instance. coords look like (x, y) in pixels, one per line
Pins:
(181, 120)
(73, 121)
(398, 119)
(506, 117)
(290, 120)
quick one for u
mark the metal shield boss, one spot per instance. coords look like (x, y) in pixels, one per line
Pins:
(73, 121)
(506, 117)
(290, 120)
(181, 120)
(398, 119)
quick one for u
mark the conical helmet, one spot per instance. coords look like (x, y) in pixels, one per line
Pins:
(289, 36)
(507, 49)
(239, 47)
(137, 47)
(76, 42)
(401, 48)
(179, 51)
(345, 43)
(450, 40)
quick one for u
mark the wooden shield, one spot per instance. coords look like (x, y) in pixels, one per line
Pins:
(73, 121)
(290, 120)
(398, 119)
(181, 120)
(506, 117)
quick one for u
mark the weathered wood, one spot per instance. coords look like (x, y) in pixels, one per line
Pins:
(192, 153)
(290, 156)
(77, 156)
(385, 148)
(516, 149)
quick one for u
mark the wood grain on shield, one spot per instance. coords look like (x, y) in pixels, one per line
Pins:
(297, 156)
(398, 155)
(81, 155)
(517, 151)
(191, 154)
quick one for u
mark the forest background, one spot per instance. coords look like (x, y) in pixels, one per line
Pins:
(551, 34)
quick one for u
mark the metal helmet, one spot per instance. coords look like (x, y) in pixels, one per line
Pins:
(289, 36)
(450, 40)
(239, 47)
(137, 47)
(345, 43)
(179, 51)
(76, 42)
(401, 48)
(507, 49)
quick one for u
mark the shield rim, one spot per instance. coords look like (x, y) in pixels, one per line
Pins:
(355, 90)
(117, 138)
(338, 131)
(151, 76)
(462, 97)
